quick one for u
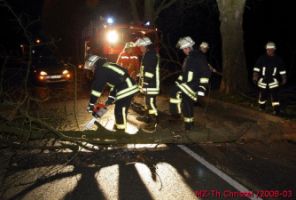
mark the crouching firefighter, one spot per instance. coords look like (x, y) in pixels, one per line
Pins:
(122, 88)
(149, 81)
(191, 84)
(269, 74)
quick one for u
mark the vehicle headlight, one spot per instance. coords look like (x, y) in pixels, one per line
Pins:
(43, 73)
(112, 36)
(65, 72)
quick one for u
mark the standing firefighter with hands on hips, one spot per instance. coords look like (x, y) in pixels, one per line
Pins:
(269, 74)
(122, 87)
(191, 84)
(149, 81)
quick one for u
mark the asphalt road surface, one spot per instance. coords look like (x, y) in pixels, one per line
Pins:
(154, 172)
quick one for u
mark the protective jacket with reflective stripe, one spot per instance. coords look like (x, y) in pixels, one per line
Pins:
(149, 74)
(115, 77)
(195, 76)
(268, 70)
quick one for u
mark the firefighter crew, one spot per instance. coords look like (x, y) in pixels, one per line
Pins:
(149, 79)
(269, 74)
(191, 84)
(129, 60)
(122, 88)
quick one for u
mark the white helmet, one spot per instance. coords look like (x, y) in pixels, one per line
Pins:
(145, 41)
(204, 45)
(185, 42)
(90, 62)
(270, 45)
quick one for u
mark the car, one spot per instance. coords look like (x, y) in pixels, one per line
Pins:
(47, 69)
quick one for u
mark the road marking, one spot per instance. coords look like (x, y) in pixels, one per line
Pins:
(218, 172)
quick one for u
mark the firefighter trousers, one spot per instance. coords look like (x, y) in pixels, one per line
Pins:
(181, 103)
(150, 101)
(263, 97)
(120, 112)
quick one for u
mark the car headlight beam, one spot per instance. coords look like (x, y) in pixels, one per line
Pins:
(43, 73)
(65, 72)
(112, 36)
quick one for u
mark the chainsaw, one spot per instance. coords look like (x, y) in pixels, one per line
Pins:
(98, 112)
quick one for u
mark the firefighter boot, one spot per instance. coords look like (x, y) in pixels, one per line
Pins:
(151, 126)
(262, 107)
(276, 110)
(189, 126)
(118, 131)
(144, 118)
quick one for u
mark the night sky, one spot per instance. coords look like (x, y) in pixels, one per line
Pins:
(264, 20)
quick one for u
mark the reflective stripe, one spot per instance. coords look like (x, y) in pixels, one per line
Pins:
(180, 77)
(261, 102)
(202, 87)
(127, 94)
(120, 126)
(189, 94)
(124, 57)
(263, 71)
(274, 71)
(149, 75)
(188, 119)
(96, 93)
(126, 90)
(124, 116)
(179, 104)
(175, 101)
(157, 73)
(256, 69)
(200, 93)
(110, 85)
(134, 57)
(190, 76)
(273, 86)
(204, 80)
(188, 88)
(282, 72)
(129, 82)
(275, 103)
(154, 110)
(113, 68)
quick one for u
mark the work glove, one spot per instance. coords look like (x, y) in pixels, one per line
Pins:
(110, 101)
(90, 107)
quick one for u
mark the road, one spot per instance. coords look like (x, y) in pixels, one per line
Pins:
(150, 172)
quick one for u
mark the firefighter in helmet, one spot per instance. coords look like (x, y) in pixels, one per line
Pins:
(269, 74)
(122, 87)
(149, 80)
(129, 60)
(191, 84)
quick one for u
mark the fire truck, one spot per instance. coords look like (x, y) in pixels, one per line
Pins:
(109, 39)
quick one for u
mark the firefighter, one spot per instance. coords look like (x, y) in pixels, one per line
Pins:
(149, 80)
(191, 84)
(269, 74)
(122, 88)
(129, 60)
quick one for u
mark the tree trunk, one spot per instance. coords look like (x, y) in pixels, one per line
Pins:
(235, 77)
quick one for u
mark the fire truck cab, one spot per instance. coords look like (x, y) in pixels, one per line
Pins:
(109, 41)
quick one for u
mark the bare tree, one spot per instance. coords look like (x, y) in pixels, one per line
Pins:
(151, 10)
(235, 76)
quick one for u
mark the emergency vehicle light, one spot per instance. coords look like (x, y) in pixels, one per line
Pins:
(110, 20)
(112, 36)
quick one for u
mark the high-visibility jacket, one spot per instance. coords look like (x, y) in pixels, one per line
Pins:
(115, 77)
(149, 73)
(130, 62)
(195, 77)
(268, 70)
